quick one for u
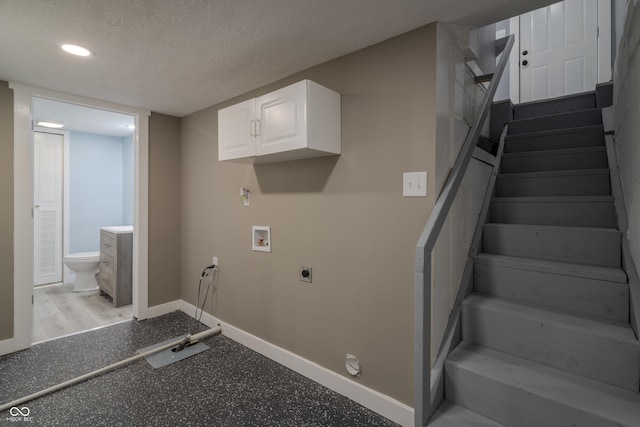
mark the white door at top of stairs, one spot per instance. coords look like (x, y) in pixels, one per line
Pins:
(559, 50)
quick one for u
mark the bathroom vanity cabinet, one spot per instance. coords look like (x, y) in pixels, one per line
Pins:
(116, 263)
(296, 122)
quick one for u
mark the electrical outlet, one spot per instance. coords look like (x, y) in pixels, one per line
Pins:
(414, 184)
(215, 261)
(305, 273)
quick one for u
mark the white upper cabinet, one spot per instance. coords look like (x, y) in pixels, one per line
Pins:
(281, 123)
(296, 122)
(234, 140)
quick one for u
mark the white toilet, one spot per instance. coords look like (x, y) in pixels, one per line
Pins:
(86, 265)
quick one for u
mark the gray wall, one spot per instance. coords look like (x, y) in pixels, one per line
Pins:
(164, 209)
(6, 211)
(504, 87)
(618, 15)
(626, 79)
(345, 216)
(486, 47)
(458, 100)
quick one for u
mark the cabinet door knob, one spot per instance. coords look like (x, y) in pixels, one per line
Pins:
(525, 63)
(525, 52)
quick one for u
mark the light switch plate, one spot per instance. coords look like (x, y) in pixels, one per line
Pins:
(414, 184)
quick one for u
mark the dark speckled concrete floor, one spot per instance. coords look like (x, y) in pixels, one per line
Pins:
(227, 385)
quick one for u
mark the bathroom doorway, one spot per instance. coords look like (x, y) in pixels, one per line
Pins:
(83, 173)
(23, 96)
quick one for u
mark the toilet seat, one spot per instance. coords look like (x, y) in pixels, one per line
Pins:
(84, 257)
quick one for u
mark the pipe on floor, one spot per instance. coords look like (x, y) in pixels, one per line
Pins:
(186, 340)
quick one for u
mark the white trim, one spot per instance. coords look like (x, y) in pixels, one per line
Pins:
(141, 217)
(162, 309)
(23, 196)
(68, 275)
(382, 404)
(207, 319)
(514, 61)
(49, 285)
(22, 224)
(11, 345)
(604, 41)
(82, 332)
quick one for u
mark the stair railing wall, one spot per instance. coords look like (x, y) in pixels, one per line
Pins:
(628, 264)
(451, 336)
(426, 401)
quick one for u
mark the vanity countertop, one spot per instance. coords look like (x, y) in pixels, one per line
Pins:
(119, 229)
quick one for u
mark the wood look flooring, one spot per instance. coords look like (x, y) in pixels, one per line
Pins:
(58, 311)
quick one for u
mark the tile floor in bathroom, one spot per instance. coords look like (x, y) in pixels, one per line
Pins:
(227, 385)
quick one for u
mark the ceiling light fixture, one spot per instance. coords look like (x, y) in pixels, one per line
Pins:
(132, 127)
(52, 125)
(76, 50)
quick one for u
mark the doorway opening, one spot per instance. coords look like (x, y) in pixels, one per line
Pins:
(560, 50)
(23, 281)
(83, 181)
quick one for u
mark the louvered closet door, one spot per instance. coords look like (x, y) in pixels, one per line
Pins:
(47, 212)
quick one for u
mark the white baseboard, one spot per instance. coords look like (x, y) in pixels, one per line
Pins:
(382, 404)
(166, 308)
(68, 278)
(9, 346)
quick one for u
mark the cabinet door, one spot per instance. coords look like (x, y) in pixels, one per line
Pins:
(236, 131)
(282, 119)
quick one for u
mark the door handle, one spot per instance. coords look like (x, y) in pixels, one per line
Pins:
(525, 63)
(525, 52)
(36, 206)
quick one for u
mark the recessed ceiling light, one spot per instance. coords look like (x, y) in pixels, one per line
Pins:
(52, 125)
(76, 50)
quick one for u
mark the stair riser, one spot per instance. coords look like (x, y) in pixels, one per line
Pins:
(560, 121)
(513, 406)
(568, 185)
(555, 141)
(563, 244)
(598, 298)
(539, 162)
(564, 105)
(577, 214)
(562, 346)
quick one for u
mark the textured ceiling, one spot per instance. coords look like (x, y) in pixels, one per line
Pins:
(179, 56)
(82, 119)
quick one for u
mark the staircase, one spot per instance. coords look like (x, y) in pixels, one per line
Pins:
(546, 339)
